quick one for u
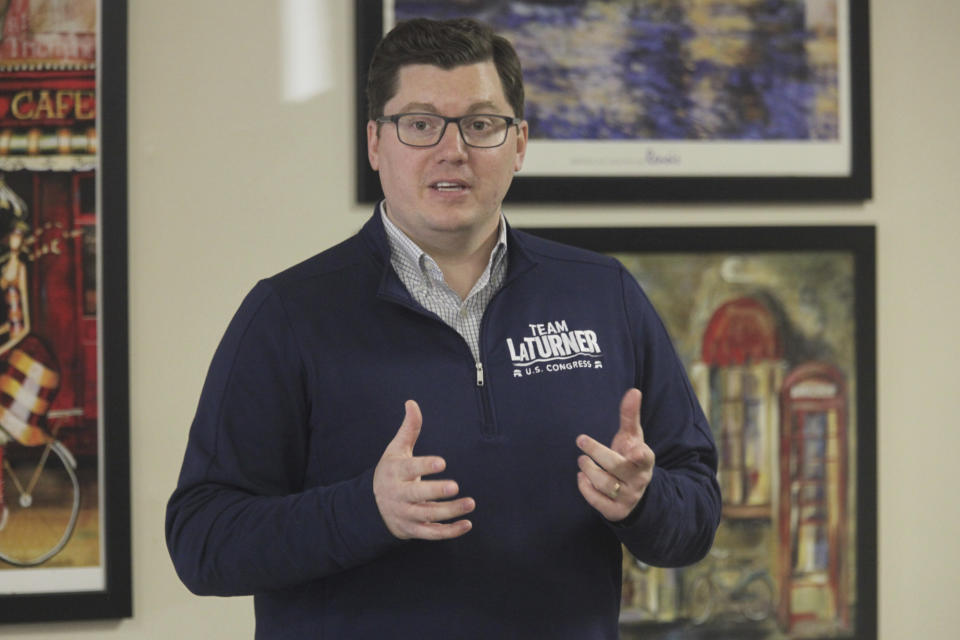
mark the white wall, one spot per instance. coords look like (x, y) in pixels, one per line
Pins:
(229, 183)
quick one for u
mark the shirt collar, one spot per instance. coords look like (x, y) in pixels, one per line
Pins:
(405, 251)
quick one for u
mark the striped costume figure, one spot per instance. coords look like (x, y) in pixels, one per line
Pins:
(29, 380)
(28, 383)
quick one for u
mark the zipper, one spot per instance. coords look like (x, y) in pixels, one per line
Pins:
(487, 427)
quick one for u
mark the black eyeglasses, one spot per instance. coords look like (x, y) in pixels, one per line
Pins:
(483, 130)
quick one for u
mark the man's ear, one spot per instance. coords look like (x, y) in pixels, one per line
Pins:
(373, 144)
(523, 133)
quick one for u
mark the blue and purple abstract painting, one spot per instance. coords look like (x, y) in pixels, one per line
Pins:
(668, 70)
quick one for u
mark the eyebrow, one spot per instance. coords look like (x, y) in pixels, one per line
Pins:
(484, 106)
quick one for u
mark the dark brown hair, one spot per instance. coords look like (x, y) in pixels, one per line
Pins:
(445, 44)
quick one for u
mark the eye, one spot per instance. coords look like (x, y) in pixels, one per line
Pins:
(420, 123)
(481, 124)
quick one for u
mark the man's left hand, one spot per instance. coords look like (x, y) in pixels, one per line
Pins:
(613, 479)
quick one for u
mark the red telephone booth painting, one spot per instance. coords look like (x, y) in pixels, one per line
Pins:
(813, 500)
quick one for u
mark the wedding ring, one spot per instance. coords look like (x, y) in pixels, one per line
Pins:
(616, 490)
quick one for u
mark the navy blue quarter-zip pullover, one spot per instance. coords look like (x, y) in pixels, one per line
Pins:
(275, 495)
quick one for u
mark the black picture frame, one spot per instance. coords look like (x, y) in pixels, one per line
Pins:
(114, 600)
(690, 248)
(852, 184)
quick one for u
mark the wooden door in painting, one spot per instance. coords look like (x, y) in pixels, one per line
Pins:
(744, 351)
(813, 489)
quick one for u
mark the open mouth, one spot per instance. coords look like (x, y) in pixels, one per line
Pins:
(449, 187)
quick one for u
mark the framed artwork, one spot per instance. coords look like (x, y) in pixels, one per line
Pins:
(64, 407)
(776, 327)
(674, 100)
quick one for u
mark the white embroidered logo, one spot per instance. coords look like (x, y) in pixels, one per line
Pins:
(553, 347)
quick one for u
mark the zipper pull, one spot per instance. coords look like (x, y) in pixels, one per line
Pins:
(479, 374)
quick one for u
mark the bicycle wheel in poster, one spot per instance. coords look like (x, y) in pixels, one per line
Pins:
(41, 500)
(756, 598)
(702, 597)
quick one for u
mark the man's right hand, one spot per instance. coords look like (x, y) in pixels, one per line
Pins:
(412, 507)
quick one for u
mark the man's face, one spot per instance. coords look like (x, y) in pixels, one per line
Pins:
(444, 195)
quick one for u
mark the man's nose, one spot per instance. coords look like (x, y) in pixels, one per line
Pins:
(452, 139)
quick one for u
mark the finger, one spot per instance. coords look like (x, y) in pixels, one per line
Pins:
(409, 431)
(440, 531)
(426, 491)
(604, 482)
(604, 456)
(412, 468)
(426, 512)
(630, 413)
(610, 509)
(597, 499)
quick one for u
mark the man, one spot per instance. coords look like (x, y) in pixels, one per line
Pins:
(513, 366)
